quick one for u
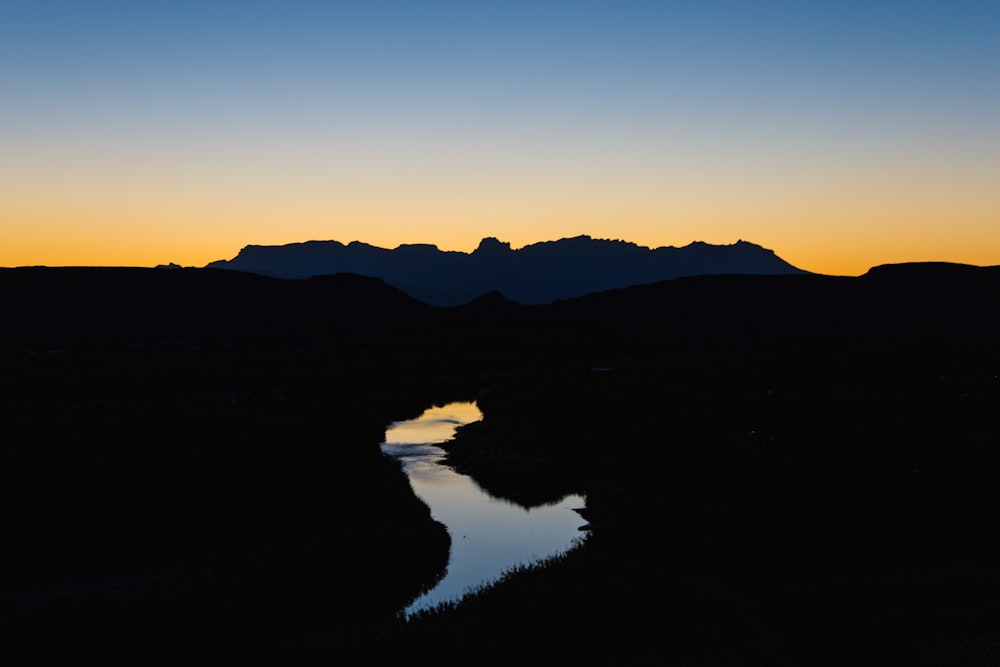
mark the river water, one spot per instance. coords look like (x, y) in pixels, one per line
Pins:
(489, 535)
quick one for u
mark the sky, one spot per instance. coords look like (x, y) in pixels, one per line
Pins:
(840, 134)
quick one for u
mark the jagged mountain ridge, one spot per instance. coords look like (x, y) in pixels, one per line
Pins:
(537, 273)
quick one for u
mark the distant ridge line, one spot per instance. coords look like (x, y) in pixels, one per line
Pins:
(535, 274)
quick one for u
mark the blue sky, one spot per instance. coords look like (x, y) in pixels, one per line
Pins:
(824, 130)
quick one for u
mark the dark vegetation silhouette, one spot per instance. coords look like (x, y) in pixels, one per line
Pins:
(779, 469)
(536, 273)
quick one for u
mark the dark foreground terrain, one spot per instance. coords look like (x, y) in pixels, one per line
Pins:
(783, 470)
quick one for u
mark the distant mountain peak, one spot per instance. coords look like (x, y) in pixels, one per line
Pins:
(492, 246)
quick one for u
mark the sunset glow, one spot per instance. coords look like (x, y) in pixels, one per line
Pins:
(841, 135)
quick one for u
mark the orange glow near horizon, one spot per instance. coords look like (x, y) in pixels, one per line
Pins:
(146, 228)
(137, 134)
(847, 250)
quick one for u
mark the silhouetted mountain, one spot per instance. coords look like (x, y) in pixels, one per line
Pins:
(132, 294)
(537, 273)
(902, 302)
(48, 306)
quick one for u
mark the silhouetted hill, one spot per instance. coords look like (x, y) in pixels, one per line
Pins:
(901, 303)
(537, 273)
(920, 301)
(38, 302)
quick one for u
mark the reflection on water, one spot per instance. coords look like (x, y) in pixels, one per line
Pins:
(435, 425)
(488, 535)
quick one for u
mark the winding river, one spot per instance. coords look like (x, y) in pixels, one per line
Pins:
(489, 535)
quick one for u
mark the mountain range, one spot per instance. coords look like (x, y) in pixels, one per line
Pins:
(535, 274)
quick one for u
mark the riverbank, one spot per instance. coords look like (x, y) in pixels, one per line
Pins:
(782, 507)
(167, 500)
(529, 480)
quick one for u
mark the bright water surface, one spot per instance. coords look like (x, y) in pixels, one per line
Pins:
(489, 536)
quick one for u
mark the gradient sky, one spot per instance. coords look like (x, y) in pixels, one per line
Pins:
(840, 134)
